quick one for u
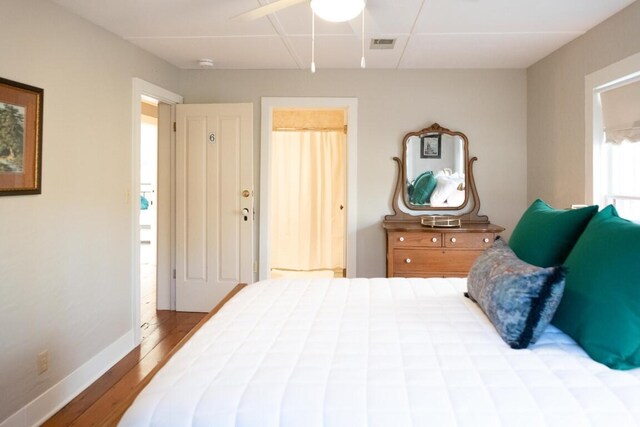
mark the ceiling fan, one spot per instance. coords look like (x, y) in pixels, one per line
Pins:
(329, 10)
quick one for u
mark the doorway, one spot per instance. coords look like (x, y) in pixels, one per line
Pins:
(162, 198)
(148, 209)
(308, 178)
(308, 193)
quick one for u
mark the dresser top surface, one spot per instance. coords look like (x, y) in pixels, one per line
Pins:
(464, 228)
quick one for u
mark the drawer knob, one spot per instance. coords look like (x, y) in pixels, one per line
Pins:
(453, 240)
(434, 239)
(486, 240)
(408, 260)
(401, 239)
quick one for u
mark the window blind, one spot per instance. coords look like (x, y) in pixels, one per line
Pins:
(621, 114)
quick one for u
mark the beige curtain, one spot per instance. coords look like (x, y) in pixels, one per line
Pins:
(307, 192)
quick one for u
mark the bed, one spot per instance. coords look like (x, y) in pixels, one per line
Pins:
(389, 352)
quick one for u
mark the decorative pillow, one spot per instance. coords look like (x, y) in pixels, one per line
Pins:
(544, 236)
(517, 297)
(600, 308)
(456, 198)
(443, 190)
(422, 188)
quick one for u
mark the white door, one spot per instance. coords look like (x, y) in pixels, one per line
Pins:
(214, 202)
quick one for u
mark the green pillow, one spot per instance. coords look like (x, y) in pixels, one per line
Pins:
(423, 186)
(600, 308)
(544, 236)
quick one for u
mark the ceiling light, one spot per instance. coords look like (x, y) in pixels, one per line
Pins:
(337, 10)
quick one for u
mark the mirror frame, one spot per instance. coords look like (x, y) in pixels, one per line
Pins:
(415, 215)
(434, 129)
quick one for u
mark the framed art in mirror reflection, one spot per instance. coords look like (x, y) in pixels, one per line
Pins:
(430, 146)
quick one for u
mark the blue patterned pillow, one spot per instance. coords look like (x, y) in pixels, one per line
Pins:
(519, 298)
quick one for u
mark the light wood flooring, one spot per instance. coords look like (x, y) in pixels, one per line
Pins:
(161, 331)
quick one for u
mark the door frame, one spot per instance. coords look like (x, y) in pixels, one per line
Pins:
(140, 88)
(351, 106)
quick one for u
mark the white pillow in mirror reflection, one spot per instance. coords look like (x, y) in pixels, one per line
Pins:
(444, 172)
(456, 198)
(443, 190)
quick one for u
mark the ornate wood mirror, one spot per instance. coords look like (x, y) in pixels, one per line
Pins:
(435, 177)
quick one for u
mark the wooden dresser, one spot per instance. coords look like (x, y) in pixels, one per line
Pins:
(414, 250)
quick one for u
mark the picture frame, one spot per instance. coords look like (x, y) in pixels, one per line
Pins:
(430, 146)
(20, 138)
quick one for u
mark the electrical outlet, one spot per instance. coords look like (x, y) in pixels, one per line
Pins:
(43, 362)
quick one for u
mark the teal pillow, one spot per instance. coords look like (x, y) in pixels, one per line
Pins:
(544, 236)
(422, 188)
(600, 308)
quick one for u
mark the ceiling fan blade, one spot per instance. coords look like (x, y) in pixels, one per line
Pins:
(266, 10)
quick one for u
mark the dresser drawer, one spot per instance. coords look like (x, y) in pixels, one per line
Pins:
(417, 251)
(468, 240)
(427, 239)
(433, 260)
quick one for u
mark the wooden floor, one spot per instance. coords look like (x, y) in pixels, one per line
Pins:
(161, 331)
(96, 402)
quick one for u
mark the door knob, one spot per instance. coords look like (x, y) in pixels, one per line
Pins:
(245, 214)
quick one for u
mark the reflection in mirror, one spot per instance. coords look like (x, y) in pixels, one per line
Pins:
(435, 175)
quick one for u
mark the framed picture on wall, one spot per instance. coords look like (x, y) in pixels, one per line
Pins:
(20, 138)
(430, 146)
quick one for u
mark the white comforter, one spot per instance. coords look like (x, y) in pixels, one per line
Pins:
(382, 352)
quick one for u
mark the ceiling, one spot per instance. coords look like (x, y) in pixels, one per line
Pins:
(429, 33)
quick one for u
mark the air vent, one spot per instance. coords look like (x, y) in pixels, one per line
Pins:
(383, 43)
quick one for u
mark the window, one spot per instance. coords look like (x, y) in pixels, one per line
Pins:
(617, 149)
(622, 179)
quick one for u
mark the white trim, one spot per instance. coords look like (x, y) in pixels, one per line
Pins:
(611, 77)
(351, 105)
(51, 401)
(141, 88)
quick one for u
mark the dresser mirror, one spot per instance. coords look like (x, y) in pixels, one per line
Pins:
(435, 170)
(435, 177)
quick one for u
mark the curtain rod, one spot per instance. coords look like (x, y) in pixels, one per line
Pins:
(340, 129)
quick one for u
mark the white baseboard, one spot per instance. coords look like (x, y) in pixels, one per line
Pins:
(48, 403)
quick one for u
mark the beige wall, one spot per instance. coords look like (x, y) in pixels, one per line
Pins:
(556, 106)
(65, 255)
(488, 105)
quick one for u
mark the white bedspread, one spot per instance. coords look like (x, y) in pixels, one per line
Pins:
(379, 352)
